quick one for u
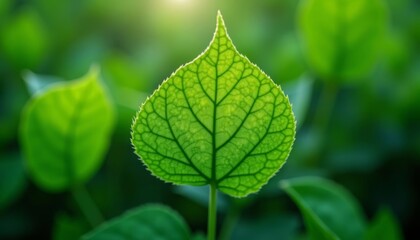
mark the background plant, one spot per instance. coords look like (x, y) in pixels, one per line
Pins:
(371, 135)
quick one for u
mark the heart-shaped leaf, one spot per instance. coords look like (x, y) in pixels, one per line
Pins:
(146, 222)
(65, 131)
(217, 120)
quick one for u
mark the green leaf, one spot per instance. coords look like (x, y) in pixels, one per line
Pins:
(12, 179)
(154, 222)
(384, 227)
(217, 120)
(329, 211)
(342, 39)
(65, 131)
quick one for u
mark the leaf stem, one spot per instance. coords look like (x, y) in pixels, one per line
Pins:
(87, 205)
(211, 229)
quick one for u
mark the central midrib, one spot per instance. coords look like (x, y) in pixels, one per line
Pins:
(213, 180)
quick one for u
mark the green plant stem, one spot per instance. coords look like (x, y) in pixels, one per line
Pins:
(87, 205)
(211, 229)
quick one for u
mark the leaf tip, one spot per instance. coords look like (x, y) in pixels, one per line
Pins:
(219, 15)
(220, 21)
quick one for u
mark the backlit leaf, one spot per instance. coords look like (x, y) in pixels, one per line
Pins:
(65, 131)
(154, 222)
(342, 38)
(329, 211)
(217, 120)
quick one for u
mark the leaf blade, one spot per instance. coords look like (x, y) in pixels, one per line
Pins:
(214, 121)
(327, 208)
(65, 131)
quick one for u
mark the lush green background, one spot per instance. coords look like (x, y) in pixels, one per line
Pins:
(360, 130)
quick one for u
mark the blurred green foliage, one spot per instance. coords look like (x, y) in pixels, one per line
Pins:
(384, 226)
(13, 179)
(65, 147)
(363, 131)
(326, 208)
(149, 222)
(342, 39)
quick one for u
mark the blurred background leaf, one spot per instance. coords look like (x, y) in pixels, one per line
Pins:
(65, 147)
(327, 208)
(342, 39)
(21, 53)
(146, 222)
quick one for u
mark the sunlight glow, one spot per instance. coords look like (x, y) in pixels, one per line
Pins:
(181, 2)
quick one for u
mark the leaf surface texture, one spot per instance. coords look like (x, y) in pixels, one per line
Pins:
(217, 120)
